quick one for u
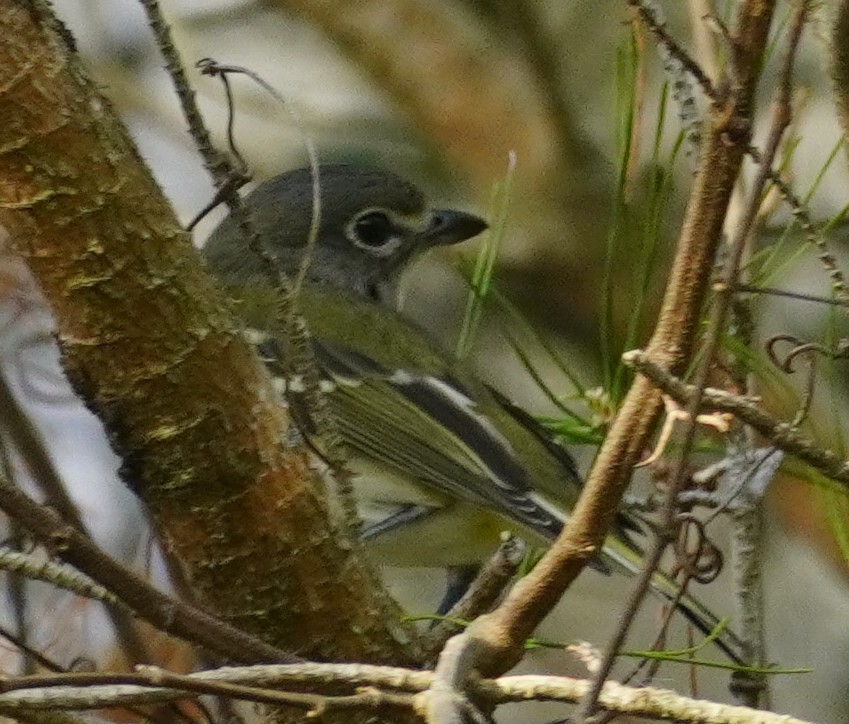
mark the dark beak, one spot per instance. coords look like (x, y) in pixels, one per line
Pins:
(450, 227)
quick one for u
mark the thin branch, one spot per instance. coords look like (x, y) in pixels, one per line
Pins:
(36, 656)
(723, 150)
(675, 49)
(753, 289)
(799, 210)
(216, 163)
(666, 530)
(75, 691)
(27, 441)
(779, 433)
(481, 595)
(164, 612)
(812, 234)
(313, 704)
(158, 715)
(37, 568)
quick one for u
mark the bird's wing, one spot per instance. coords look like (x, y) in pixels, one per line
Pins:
(625, 524)
(430, 428)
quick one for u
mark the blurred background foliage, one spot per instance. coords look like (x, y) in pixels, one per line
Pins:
(443, 91)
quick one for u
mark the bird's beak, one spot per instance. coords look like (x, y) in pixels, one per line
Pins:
(450, 227)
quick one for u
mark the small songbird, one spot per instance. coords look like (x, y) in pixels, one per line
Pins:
(442, 462)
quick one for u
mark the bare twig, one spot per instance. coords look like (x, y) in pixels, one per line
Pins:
(216, 163)
(779, 433)
(753, 289)
(841, 351)
(313, 704)
(37, 657)
(674, 48)
(747, 536)
(75, 691)
(506, 629)
(27, 441)
(37, 568)
(678, 68)
(141, 597)
(808, 352)
(160, 715)
(740, 91)
(481, 595)
(812, 235)
(799, 210)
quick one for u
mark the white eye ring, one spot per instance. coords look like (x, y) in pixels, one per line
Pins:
(373, 231)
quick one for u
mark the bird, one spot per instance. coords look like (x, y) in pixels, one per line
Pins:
(442, 463)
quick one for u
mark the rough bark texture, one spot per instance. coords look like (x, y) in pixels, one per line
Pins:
(151, 346)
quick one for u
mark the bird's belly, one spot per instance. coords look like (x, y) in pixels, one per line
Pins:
(455, 535)
(380, 486)
(447, 532)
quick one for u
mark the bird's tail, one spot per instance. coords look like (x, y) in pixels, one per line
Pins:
(618, 554)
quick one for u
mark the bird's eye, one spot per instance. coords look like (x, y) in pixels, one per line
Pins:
(373, 229)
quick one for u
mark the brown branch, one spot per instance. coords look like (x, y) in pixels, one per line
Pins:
(71, 691)
(152, 347)
(781, 434)
(483, 593)
(725, 142)
(166, 614)
(715, 329)
(28, 443)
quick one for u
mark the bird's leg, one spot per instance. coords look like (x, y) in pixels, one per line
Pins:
(458, 580)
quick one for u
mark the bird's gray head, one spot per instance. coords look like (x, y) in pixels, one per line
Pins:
(373, 224)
